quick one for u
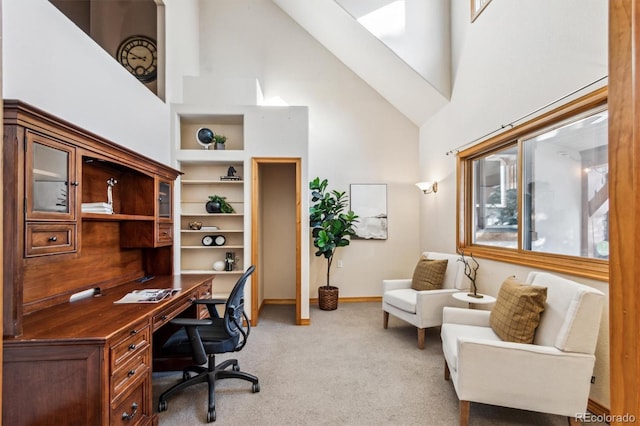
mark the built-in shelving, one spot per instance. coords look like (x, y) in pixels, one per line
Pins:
(205, 173)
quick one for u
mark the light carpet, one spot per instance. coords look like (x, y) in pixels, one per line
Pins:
(343, 369)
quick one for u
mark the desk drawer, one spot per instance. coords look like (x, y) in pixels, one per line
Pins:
(171, 312)
(136, 341)
(132, 408)
(138, 366)
(50, 238)
(165, 233)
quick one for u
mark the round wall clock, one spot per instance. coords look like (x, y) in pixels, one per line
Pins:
(139, 55)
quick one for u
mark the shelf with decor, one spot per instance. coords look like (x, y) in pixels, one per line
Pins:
(208, 237)
(211, 170)
(193, 135)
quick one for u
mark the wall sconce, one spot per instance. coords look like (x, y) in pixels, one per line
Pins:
(428, 187)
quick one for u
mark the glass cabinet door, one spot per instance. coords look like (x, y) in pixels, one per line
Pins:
(164, 200)
(50, 182)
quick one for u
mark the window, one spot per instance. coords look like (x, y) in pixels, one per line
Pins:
(538, 194)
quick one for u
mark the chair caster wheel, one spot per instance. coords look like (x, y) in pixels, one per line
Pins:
(211, 416)
(162, 406)
(256, 387)
(236, 367)
(186, 376)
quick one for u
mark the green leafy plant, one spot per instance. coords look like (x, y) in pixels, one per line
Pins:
(331, 223)
(507, 214)
(225, 207)
(221, 139)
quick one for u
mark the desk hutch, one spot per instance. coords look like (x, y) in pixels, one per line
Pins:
(83, 360)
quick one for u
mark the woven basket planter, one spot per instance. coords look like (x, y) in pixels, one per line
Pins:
(328, 298)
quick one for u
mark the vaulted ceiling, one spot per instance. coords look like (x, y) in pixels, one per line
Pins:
(401, 48)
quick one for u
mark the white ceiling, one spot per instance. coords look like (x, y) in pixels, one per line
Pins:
(416, 95)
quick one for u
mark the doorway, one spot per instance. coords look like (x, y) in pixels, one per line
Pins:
(276, 234)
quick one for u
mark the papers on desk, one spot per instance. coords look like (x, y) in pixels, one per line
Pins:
(150, 295)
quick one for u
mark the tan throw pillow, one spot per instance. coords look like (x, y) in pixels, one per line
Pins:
(516, 314)
(429, 274)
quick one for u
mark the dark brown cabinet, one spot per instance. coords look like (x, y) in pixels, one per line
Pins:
(75, 206)
(82, 216)
(50, 196)
(50, 179)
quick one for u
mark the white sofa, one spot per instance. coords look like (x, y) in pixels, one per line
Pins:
(552, 375)
(423, 309)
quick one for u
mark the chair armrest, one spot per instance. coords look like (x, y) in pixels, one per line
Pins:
(441, 297)
(429, 305)
(198, 353)
(388, 285)
(186, 322)
(476, 317)
(545, 374)
(211, 305)
(210, 301)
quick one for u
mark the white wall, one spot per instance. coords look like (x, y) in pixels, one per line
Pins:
(182, 45)
(355, 136)
(52, 64)
(515, 58)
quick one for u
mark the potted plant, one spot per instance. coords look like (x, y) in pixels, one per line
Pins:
(219, 140)
(332, 226)
(218, 204)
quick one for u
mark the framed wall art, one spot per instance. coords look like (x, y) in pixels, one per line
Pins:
(369, 202)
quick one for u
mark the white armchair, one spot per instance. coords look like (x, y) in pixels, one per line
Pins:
(552, 375)
(423, 309)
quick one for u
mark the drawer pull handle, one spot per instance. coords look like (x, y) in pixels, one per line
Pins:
(131, 373)
(133, 332)
(54, 238)
(132, 346)
(134, 410)
(75, 183)
(163, 317)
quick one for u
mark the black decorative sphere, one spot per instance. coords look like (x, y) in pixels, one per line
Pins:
(205, 136)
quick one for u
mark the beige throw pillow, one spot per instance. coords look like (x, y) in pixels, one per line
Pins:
(516, 314)
(429, 274)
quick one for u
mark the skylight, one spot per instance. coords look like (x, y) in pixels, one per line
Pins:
(386, 21)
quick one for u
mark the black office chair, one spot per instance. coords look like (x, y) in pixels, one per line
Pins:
(202, 339)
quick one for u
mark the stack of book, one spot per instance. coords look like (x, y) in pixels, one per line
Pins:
(104, 208)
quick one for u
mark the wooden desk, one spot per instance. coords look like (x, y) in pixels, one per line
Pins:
(89, 362)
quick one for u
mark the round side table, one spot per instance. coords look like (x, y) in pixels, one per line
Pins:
(464, 297)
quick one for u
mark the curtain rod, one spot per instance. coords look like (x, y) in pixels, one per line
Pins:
(510, 125)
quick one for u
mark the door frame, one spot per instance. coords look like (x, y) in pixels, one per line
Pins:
(256, 162)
